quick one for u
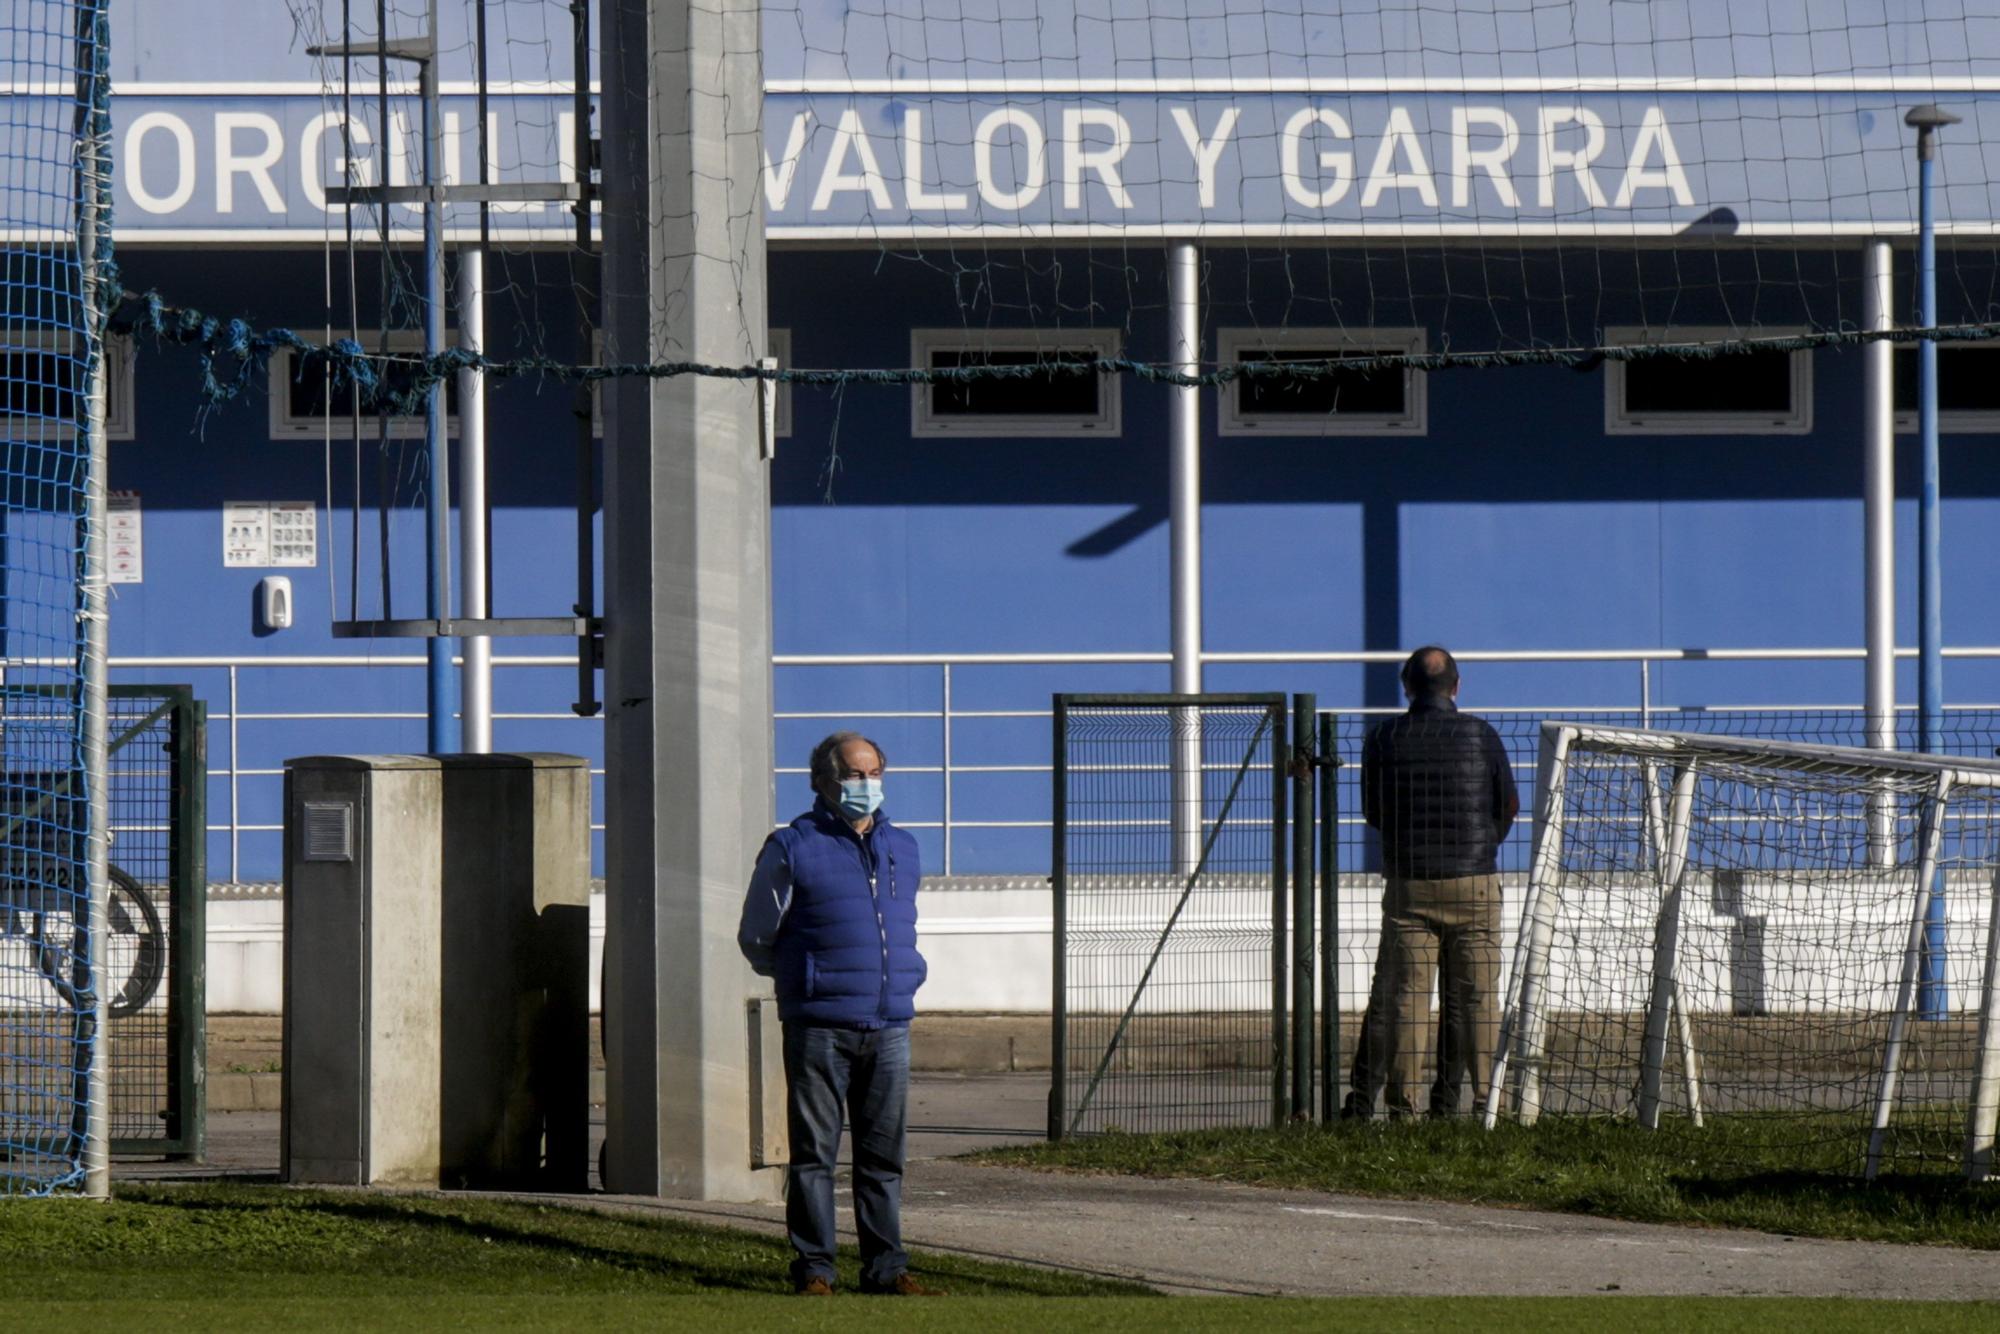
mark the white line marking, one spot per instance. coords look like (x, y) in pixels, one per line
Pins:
(1356, 1214)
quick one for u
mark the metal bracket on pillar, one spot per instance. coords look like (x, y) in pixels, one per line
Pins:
(457, 627)
(417, 50)
(580, 194)
(498, 192)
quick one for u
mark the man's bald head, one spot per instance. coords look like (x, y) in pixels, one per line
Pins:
(1431, 670)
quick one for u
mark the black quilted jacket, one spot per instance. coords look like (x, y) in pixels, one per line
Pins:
(1436, 782)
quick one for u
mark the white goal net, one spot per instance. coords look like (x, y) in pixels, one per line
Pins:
(1785, 948)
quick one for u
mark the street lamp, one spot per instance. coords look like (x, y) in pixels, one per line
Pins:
(1927, 121)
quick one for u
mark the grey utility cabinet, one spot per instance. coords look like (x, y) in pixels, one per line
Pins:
(437, 944)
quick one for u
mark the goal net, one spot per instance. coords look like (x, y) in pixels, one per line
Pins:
(53, 246)
(1786, 949)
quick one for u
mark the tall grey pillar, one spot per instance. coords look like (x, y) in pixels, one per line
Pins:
(688, 794)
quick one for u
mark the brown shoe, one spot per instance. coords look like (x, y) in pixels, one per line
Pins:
(815, 1287)
(902, 1286)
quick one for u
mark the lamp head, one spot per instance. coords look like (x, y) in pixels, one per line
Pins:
(1929, 116)
(1927, 120)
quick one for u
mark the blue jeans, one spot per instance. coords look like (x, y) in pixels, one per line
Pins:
(868, 1074)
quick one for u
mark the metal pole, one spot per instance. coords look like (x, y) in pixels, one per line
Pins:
(1184, 535)
(1927, 890)
(475, 511)
(1059, 902)
(93, 187)
(1281, 764)
(1672, 862)
(235, 787)
(1329, 916)
(586, 704)
(1304, 709)
(441, 702)
(477, 671)
(1984, 1117)
(1879, 505)
(946, 717)
(1931, 997)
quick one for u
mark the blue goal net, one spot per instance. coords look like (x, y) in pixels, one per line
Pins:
(55, 242)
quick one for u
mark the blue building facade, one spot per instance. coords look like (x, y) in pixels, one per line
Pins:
(1359, 198)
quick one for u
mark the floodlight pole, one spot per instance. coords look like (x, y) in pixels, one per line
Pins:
(442, 694)
(1927, 120)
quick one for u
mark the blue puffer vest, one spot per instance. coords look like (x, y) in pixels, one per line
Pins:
(847, 953)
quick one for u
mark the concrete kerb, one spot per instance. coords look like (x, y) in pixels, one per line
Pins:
(244, 1051)
(1197, 1237)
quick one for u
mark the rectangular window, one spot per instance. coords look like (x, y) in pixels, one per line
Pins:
(1333, 400)
(1968, 386)
(42, 380)
(306, 405)
(1045, 399)
(1766, 392)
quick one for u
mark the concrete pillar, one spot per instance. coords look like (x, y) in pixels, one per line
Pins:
(437, 970)
(514, 1059)
(363, 888)
(688, 745)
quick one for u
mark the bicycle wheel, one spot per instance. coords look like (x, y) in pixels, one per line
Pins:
(135, 953)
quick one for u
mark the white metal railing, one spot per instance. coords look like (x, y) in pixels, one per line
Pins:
(949, 768)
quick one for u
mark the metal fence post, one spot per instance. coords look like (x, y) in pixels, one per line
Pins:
(1059, 939)
(1329, 915)
(1304, 707)
(235, 765)
(1281, 757)
(946, 718)
(190, 928)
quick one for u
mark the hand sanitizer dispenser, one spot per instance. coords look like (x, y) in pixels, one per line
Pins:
(274, 603)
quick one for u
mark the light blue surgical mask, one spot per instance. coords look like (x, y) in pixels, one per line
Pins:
(860, 797)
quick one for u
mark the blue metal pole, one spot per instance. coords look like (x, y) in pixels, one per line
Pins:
(442, 692)
(1932, 998)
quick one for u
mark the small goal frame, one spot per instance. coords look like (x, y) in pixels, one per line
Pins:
(1668, 820)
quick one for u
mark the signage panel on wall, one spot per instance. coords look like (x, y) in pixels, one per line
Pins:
(125, 558)
(865, 164)
(259, 534)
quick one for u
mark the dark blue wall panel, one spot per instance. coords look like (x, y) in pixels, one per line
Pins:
(1515, 523)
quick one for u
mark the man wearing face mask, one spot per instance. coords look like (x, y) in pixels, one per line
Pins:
(831, 917)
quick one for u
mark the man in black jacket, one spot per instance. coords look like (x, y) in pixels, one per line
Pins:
(1438, 785)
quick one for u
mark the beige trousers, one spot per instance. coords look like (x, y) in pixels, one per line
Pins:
(1426, 923)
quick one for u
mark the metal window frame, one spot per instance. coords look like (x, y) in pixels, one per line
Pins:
(285, 426)
(120, 416)
(1414, 420)
(1949, 422)
(1106, 424)
(1619, 421)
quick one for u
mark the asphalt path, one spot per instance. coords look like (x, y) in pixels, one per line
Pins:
(1206, 1237)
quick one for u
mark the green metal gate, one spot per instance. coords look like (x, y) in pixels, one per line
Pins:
(1170, 856)
(159, 904)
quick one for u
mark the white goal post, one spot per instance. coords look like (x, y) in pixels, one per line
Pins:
(1804, 937)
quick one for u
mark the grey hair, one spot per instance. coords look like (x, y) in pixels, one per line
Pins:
(826, 758)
